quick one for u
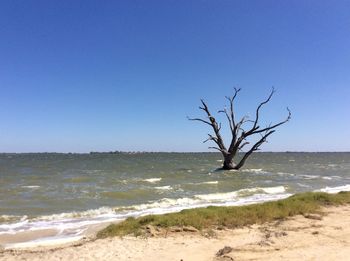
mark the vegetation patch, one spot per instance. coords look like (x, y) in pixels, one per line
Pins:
(230, 217)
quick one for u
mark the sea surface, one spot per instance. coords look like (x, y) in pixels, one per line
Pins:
(70, 192)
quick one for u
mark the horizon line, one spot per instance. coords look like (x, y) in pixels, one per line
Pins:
(145, 152)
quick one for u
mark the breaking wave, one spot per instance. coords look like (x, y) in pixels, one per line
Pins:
(336, 189)
(153, 180)
(164, 188)
(71, 226)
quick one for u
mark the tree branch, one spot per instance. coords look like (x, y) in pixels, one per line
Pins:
(243, 144)
(228, 118)
(198, 119)
(232, 114)
(215, 126)
(216, 148)
(259, 107)
(276, 125)
(255, 147)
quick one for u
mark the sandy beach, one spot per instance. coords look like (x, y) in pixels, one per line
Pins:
(314, 237)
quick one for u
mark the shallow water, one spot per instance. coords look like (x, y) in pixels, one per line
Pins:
(68, 192)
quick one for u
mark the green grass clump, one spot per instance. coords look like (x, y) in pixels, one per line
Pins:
(128, 226)
(231, 217)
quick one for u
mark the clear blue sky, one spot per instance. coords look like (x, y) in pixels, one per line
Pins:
(80, 76)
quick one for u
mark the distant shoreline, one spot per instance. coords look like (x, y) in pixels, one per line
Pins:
(157, 152)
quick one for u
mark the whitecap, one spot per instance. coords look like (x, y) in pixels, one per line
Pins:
(164, 188)
(336, 189)
(336, 177)
(167, 205)
(235, 194)
(309, 176)
(153, 180)
(31, 187)
(217, 196)
(285, 174)
(70, 226)
(6, 218)
(66, 224)
(303, 185)
(332, 165)
(210, 182)
(254, 170)
(274, 190)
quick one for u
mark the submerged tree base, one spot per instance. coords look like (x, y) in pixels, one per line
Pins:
(229, 167)
(230, 217)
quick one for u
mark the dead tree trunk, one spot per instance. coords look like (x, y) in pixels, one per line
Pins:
(240, 136)
(228, 162)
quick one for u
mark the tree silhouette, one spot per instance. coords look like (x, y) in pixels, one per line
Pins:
(240, 134)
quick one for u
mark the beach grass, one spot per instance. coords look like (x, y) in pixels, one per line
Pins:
(230, 217)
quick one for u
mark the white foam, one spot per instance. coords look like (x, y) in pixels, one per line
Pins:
(274, 190)
(309, 176)
(336, 189)
(70, 226)
(285, 173)
(235, 194)
(167, 205)
(153, 180)
(336, 177)
(258, 171)
(210, 182)
(303, 185)
(99, 212)
(332, 165)
(74, 221)
(6, 218)
(252, 170)
(217, 196)
(32, 187)
(164, 188)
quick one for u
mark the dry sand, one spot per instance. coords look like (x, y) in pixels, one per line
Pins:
(298, 238)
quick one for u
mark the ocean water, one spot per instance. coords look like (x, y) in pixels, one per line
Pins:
(70, 192)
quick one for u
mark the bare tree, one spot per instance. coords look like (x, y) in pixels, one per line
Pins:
(240, 135)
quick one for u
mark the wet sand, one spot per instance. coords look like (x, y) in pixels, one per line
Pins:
(298, 238)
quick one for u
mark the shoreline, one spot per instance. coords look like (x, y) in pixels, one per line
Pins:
(77, 228)
(314, 237)
(47, 238)
(305, 226)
